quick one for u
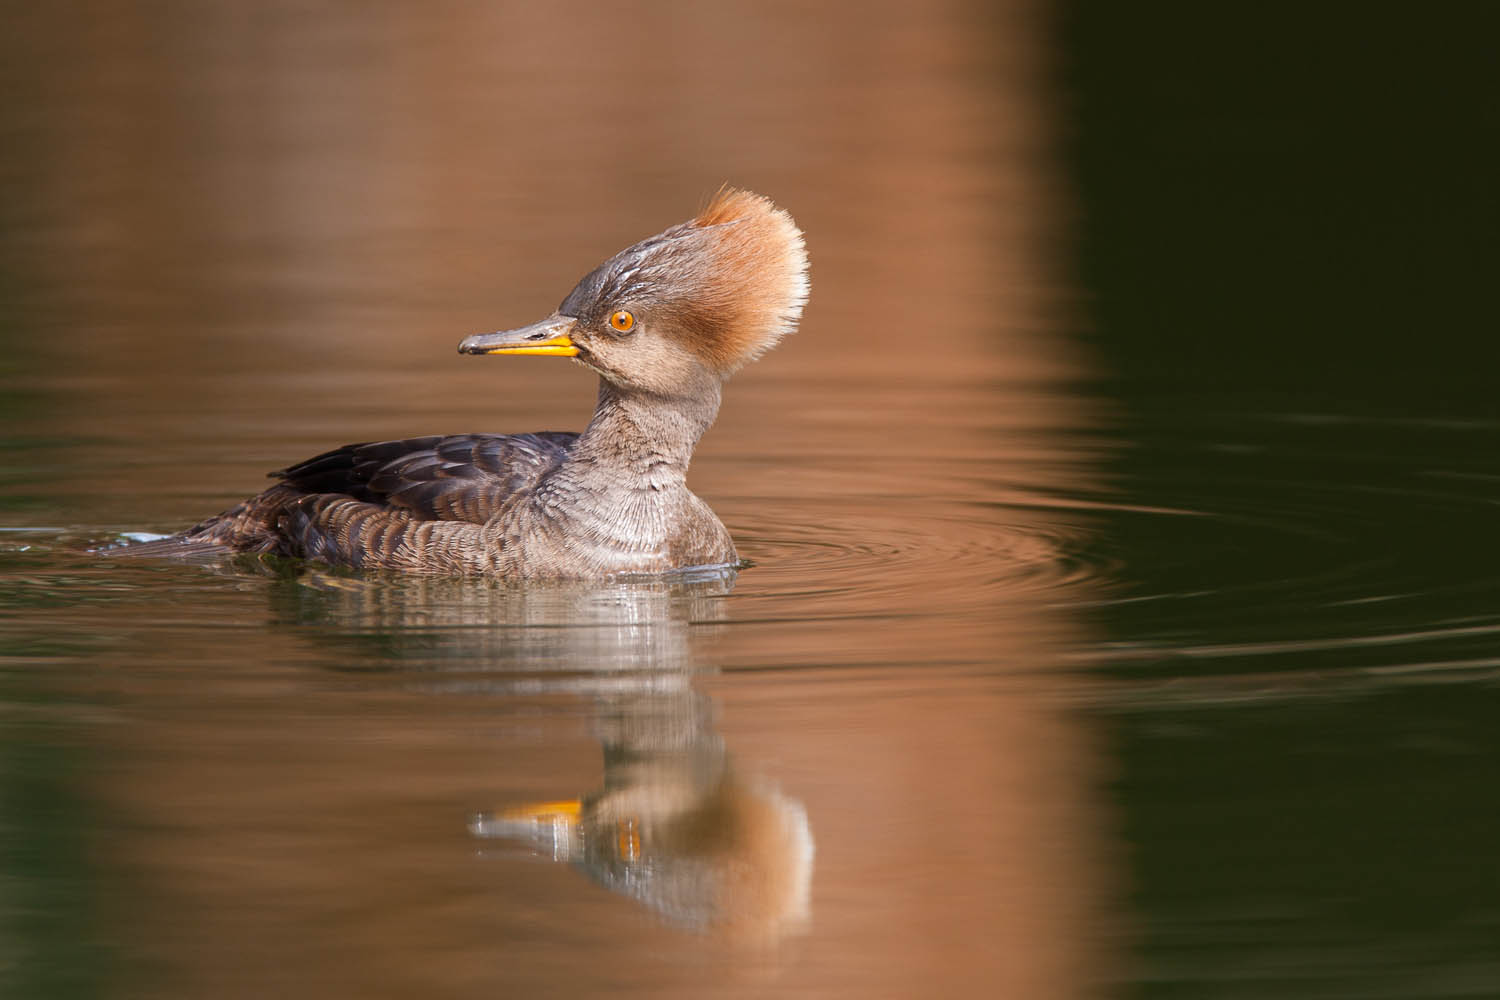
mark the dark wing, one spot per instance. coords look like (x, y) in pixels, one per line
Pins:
(464, 477)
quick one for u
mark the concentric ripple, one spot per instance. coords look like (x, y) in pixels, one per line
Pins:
(966, 552)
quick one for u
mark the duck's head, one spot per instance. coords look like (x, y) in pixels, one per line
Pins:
(696, 301)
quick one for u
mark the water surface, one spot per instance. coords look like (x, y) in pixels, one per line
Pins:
(1067, 663)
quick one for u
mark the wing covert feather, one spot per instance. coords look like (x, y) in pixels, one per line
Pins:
(461, 477)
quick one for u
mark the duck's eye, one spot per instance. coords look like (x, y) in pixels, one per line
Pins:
(622, 321)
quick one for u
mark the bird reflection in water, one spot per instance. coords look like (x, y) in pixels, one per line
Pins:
(677, 826)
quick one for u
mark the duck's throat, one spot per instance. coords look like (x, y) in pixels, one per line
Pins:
(641, 440)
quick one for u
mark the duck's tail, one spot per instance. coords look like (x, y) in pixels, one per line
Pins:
(251, 526)
(181, 546)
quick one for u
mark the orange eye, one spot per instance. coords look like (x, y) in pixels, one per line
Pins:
(622, 321)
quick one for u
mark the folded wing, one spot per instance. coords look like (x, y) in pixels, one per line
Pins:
(461, 477)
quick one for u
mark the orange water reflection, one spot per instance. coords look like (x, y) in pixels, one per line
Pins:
(260, 231)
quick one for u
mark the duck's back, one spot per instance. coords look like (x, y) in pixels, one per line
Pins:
(362, 499)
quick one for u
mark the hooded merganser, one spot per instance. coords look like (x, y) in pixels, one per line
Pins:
(664, 323)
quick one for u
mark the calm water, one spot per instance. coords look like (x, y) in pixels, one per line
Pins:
(1076, 658)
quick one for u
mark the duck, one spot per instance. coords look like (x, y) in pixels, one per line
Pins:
(664, 324)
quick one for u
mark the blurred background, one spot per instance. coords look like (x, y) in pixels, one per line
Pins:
(1123, 612)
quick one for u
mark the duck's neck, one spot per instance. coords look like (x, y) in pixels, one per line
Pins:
(642, 440)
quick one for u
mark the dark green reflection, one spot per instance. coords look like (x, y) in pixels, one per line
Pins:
(1286, 239)
(1316, 847)
(1289, 195)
